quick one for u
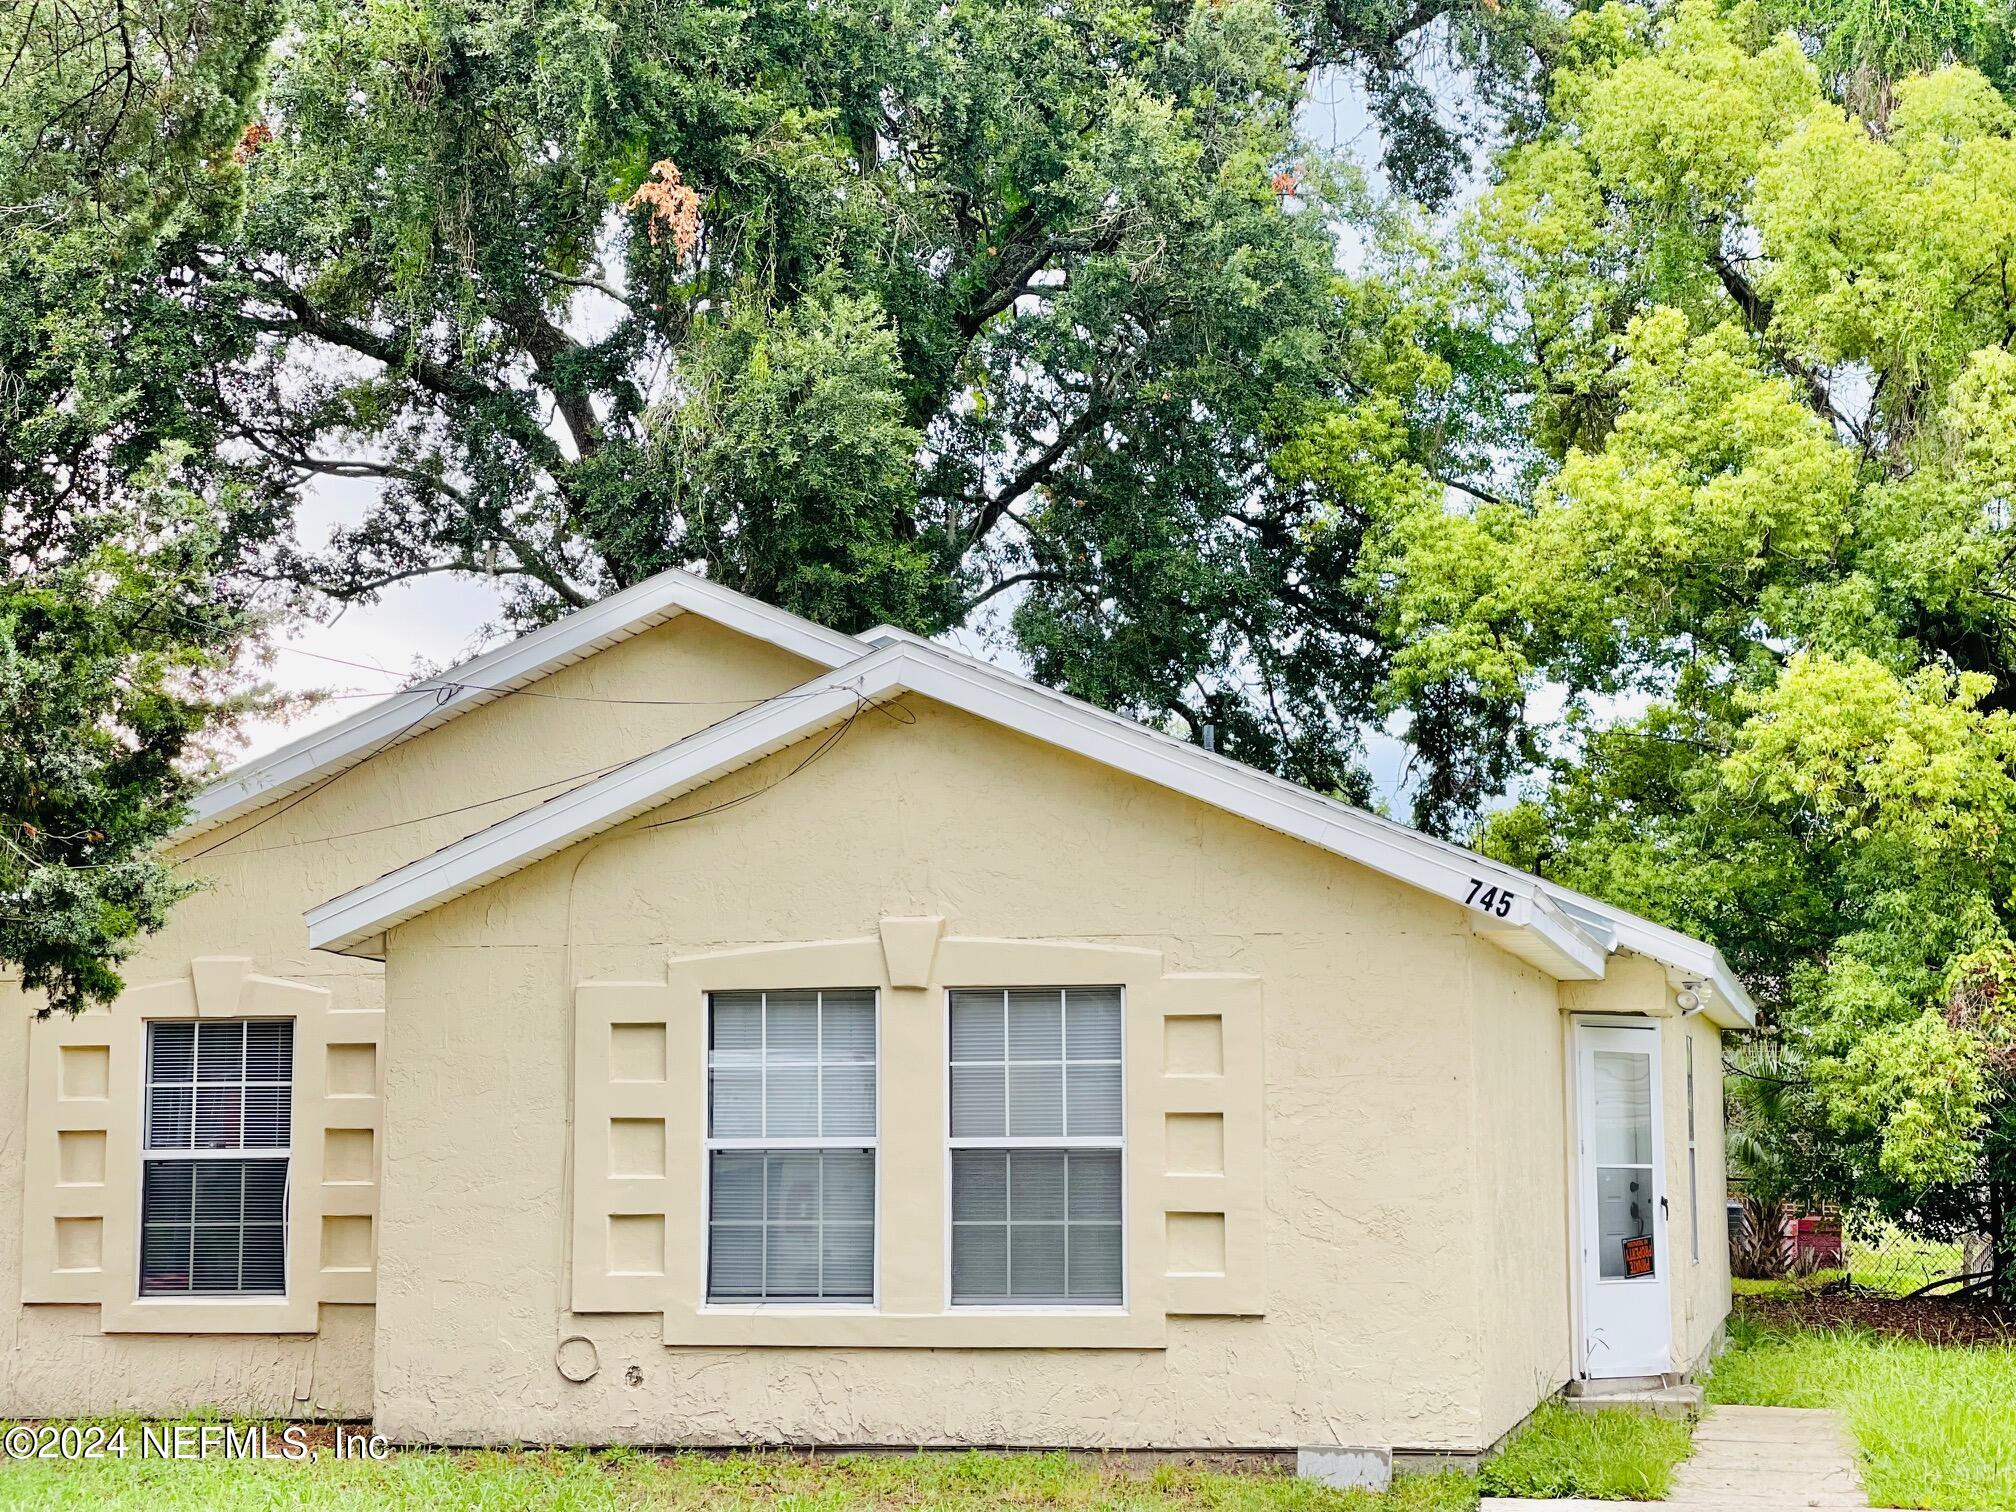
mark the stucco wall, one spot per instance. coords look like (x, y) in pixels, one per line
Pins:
(1701, 1286)
(1522, 1244)
(59, 1361)
(1377, 1209)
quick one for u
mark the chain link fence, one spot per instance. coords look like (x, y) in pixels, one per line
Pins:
(1812, 1247)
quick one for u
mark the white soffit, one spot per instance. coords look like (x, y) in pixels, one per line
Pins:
(1691, 963)
(1531, 924)
(322, 754)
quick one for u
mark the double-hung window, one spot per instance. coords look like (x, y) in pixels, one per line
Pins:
(217, 1141)
(1037, 1143)
(791, 1131)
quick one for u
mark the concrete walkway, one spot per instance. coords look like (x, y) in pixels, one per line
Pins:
(1746, 1459)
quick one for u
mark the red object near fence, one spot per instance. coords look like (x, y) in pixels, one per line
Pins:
(1816, 1244)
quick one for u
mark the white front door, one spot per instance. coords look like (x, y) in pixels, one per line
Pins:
(1627, 1322)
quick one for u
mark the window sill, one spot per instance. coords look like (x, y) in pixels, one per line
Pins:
(211, 1315)
(852, 1327)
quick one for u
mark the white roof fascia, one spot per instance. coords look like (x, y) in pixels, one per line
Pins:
(1724, 998)
(648, 782)
(1531, 924)
(1609, 929)
(425, 706)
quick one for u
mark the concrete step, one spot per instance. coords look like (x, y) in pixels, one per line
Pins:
(1653, 1401)
(1616, 1385)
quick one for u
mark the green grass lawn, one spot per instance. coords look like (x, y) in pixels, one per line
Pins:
(1935, 1424)
(1616, 1456)
(618, 1480)
(1606, 1456)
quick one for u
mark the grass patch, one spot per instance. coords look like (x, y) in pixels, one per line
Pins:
(620, 1480)
(1614, 1455)
(1783, 1286)
(1935, 1425)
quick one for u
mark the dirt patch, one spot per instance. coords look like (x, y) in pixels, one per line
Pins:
(1929, 1319)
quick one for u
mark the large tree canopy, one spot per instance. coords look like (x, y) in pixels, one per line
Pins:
(120, 615)
(877, 310)
(1761, 535)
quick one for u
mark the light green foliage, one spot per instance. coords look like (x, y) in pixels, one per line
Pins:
(1934, 1426)
(1766, 550)
(1618, 1455)
(622, 1479)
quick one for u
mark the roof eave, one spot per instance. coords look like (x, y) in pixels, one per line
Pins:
(495, 674)
(1515, 911)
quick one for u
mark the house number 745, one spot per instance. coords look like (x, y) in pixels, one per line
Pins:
(1493, 900)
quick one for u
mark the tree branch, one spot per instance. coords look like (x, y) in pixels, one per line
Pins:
(594, 284)
(1015, 580)
(1034, 471)
(1757, 314)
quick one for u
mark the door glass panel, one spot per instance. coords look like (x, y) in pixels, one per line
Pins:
(1624, 1222)
(1623, 1095)
(1623, 1108)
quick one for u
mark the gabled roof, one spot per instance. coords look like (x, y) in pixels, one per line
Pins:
(427, 705)
(1564, 934)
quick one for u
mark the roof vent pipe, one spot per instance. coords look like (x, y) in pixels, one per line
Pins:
(1211, 737)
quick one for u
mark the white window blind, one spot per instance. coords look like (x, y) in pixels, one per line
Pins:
(791, 1137)
(216, 1148)
(1037, 1142)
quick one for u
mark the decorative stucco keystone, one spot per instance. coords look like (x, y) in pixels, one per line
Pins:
(909, 945)
(220, 984)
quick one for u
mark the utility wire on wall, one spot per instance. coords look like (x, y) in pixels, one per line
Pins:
(894, 713)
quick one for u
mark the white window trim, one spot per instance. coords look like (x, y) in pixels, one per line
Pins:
(150, 1152)
(709, 1144)
(1039, 1142)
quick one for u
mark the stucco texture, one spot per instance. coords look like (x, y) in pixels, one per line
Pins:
(1701, 1286)
(1396, 1253)
(1417, 1288)
(262, 872)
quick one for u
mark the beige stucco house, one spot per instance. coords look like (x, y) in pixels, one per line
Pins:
(688, 1024)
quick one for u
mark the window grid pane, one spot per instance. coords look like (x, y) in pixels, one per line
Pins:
(220, 1085)
(1036, 1220)
(1036, 1226)
(791, 1224)
(215, 1224)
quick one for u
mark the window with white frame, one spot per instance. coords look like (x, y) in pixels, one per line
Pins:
(791, 1138)
(217, 1143)
(1036, 1146)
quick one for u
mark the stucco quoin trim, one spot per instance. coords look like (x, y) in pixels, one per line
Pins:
(1533, 925)
(1193, 1056)
(81, 1241)
(496, 674)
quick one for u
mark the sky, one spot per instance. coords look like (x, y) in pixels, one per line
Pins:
(426, 624)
